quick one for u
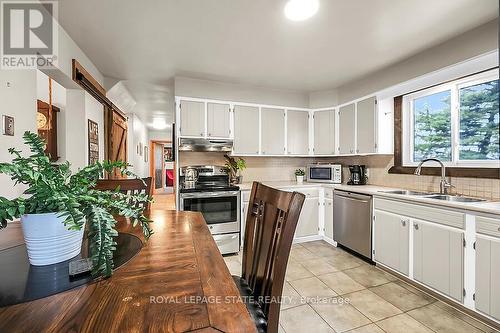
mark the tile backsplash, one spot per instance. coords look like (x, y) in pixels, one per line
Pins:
(282, 169)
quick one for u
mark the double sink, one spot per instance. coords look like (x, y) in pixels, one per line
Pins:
(435, 196)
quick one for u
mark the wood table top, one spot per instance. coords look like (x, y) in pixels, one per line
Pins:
(178, 282)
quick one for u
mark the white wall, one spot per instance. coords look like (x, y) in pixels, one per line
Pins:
(164, 135)
(137, 134)
(188, 87)
(19, 101)
(323, 98)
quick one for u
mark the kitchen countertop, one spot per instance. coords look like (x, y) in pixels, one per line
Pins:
(490, 207)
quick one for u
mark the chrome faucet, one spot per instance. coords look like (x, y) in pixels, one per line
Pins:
(444, 185)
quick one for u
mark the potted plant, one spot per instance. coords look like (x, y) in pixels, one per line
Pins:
(234, 167)
(299, 175)
(57, 205)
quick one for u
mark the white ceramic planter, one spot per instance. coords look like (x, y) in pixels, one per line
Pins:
(300, 179)
(48, 240)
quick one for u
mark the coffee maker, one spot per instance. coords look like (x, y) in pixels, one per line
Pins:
(358, 175)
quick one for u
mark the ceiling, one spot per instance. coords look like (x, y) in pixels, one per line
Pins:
(251, 42)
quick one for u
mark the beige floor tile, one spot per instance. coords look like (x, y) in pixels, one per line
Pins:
(322, 248)
(402, 323)
(295, 271)
(344, 261)
(371, 305)
(303, 319)
(440, 320)
(312, 288)
(281, 329)
(416, 291)
(372, 328)
(301, 254)
(342, 317)
(290, 297)
(233, 264)
(319, 266)
(367, 276)
(464, 317)
(400, 297)
(340, 283)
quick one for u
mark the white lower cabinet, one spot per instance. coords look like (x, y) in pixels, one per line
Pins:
(308, 219)
(329, 218)
(438, 256)
(392, 240)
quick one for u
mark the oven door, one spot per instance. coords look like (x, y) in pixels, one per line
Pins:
(220, 209)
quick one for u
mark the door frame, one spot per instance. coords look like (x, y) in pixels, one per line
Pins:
(152, 144)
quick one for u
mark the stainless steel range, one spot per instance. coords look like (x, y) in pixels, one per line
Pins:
(206, 189)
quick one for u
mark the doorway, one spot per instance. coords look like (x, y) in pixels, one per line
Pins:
(162, 167)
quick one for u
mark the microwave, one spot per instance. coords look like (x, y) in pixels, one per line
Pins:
(324, 173)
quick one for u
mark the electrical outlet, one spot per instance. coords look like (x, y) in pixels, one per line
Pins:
(7, 125)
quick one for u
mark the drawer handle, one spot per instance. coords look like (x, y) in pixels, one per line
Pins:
(415, 226)
(403, 223)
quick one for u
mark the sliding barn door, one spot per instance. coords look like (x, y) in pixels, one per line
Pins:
(116, 139)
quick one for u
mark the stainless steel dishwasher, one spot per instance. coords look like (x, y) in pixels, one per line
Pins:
(352, 221)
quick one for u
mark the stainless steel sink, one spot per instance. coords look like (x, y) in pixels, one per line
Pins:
(454, 198)
(406, 192)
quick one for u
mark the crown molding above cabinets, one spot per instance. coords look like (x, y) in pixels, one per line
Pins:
(361, 127)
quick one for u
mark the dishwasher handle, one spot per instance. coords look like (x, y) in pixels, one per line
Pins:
(353, 197)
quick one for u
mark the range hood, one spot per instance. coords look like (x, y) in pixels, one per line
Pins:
(199, 144)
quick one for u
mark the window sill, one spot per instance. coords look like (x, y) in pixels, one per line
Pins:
(493, 173)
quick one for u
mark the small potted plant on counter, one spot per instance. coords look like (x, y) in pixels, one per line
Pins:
(235, 167)
(57, 204)
(299, 175)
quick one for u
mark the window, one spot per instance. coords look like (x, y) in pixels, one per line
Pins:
(457, 122)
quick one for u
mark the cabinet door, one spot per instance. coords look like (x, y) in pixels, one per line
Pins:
(366, 126)
(324, 132)
(329, 218)
(244, 211)
(246, 129)
(308, 219)
(438, 258)
(487, 276)
(347, 130)
(192, 118)
(298, 132)
(218, 120)
(391, 237)
(273, 131)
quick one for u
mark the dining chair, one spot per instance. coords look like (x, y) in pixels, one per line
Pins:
(128, 186)
(270, 226)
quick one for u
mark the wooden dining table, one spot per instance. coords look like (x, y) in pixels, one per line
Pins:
(178, 282)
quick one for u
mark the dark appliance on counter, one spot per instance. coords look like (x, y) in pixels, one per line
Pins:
(206, 189)
(357, 175)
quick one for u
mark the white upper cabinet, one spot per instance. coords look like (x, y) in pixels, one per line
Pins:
(246, 129)
(297, 132)
(366, 126)
(324, 132)
(347, 129)
(273, 131)
(218, 120)
(192, 118)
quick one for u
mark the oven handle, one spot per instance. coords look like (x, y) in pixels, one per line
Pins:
(209, 194)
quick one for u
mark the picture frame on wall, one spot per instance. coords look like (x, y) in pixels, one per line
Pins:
(93, 142)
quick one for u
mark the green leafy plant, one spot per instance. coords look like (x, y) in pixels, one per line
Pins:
(300, 172)
(234, 165)
(55, 189)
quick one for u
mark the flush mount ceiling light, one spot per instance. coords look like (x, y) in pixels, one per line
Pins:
(159, 124)
(300, 10)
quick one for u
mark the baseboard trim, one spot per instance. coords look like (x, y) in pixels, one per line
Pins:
(305, 239)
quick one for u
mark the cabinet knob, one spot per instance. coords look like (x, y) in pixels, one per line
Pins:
(498, 229)
(403, 223)
(209, 134)
(415, 225)
(201, 134)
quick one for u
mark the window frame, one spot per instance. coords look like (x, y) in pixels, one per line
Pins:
(407, 115)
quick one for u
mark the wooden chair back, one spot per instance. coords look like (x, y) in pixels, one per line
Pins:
(270, 226)
(128, 186)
